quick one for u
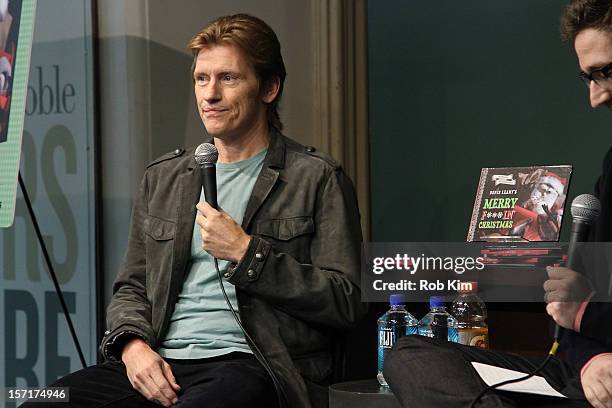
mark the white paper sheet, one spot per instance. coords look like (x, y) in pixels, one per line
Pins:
(534, 385)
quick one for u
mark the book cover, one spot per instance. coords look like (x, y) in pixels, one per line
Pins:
(519, 204)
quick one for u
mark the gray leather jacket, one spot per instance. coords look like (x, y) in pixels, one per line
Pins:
(298, 283)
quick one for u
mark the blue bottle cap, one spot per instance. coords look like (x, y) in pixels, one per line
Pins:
(397, 299)
(436, 301)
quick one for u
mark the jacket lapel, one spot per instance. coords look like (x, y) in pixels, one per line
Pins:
(275, 158)
(263, 186)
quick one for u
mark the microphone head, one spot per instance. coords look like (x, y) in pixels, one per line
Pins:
(585, 208)
(206, 153)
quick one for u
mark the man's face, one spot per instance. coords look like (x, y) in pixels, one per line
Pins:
(227, 90)
(594, 50)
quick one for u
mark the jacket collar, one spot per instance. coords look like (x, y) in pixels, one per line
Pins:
(276, 150)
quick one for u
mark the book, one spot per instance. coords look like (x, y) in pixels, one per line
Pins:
(519, 204)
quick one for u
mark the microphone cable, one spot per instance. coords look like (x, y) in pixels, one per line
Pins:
(551, 353)
(280, 391)
(206, 156)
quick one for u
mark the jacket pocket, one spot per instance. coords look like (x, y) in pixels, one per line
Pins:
(159, 229)
(288, 235)
(159, 247)
(285, 229)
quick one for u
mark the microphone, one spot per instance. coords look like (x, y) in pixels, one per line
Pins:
(206, 156)
(585, 210)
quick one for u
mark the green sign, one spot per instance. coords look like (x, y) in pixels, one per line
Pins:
(16, 27)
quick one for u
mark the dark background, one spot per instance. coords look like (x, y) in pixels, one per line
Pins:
(454, 87)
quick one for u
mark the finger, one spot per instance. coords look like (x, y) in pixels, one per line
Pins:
(606, 397)
(138, 386)
(167, 370)
(561, 296)
(201, 220)
(551, 285)
(598, 392)
(144, 386)
(158, 402)
(552, 296)
(552, 309)
(162, 392)
(557, 296)
(588, 394)
(558, 272)
(592, 399)
(148, 388)
(205, 209)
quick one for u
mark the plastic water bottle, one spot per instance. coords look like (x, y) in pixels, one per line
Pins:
(471, 312)
(396, 323)
(438, 322)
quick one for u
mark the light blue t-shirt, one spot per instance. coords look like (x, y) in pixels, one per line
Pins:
(202, 325)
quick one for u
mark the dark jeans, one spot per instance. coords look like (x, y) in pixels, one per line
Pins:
(426, 372)
(232, 380)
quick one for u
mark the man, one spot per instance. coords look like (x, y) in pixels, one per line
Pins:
(287, 236)
(427, 372)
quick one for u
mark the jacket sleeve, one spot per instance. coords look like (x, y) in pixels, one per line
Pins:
(579, 349)
(596, 322)
(325, 291)
(129, 312)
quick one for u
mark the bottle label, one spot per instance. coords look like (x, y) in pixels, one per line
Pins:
(474, 337)
(386, 340)
(386, 337)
